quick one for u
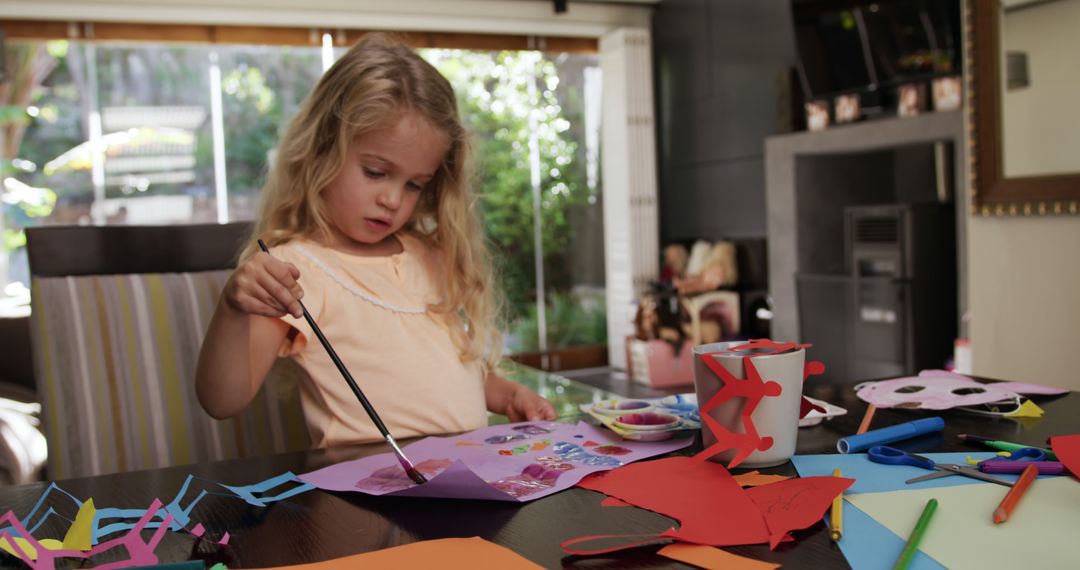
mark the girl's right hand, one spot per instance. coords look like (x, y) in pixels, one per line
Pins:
(263, 285)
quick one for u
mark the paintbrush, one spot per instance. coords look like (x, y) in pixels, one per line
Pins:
(405, 463)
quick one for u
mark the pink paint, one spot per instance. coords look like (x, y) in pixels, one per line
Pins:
(611, 450)
(648, 419)
(394, 477)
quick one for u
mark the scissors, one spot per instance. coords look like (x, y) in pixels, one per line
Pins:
(893, 456)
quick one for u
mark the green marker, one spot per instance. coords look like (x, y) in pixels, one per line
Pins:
(1004, 445)
(917, 533)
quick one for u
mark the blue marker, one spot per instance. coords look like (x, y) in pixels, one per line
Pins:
(885, 436)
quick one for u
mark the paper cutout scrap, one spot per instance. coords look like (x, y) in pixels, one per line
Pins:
(796, 504)
(37, 557)
(1067, 449)
(1040, 534)
(82, 539)
(613, 502)
(710, 506)
(755, 478)
(443, 553)
(1027, 410)
(472, 472)
(80, 534)
(712, 558)
(943, 390)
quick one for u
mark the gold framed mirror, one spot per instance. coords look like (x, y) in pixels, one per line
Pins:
(1022, 116)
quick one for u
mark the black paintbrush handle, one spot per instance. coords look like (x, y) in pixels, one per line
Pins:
(340, 365)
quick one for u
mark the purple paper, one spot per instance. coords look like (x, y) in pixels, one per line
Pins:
(510, 462)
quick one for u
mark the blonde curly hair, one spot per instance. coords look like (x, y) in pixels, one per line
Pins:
(373, 84)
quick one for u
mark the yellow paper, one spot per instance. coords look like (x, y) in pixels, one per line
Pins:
(23, 544)
(78, 535)
(1040, 534)
(1027, 410)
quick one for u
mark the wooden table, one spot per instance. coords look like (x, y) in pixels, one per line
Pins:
(318, 525)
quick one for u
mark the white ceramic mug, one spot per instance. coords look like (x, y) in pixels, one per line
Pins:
(775, 416)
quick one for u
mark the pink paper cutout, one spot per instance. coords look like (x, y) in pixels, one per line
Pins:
(938, 391)
(795, 504)
(140, 552)
(703, 496)
(1067, 449)
(753, 389)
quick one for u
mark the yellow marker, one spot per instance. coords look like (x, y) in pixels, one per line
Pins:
(837, 515)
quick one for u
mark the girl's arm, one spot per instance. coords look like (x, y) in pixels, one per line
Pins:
(515, 401)
(245, 334)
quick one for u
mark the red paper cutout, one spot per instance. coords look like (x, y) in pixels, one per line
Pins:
(1067, 449)
(613, 502)
(796, 504)
(813, 368)
(753, 388)
(746, 443)
(710, 506)
(767, 346)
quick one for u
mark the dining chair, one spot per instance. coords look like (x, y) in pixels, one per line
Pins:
(118, 314)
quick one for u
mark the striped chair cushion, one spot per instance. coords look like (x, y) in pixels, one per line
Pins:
(114, 359)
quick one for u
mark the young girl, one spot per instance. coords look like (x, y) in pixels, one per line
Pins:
(370, 220)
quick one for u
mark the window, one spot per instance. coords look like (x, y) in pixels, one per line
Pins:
(148, 133)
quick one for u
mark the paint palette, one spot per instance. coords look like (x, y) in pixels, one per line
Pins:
(615, 408)
(654, 419)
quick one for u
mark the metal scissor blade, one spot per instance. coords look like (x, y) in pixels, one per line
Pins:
(930, 476)
(949, 469)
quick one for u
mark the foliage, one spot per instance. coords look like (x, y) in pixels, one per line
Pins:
(509, 101)
(571, 321)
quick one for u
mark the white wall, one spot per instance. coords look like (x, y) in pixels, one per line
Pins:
(480, 16)
(1041, 122)
(1024, 298)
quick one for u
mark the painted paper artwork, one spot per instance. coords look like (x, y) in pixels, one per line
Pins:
(510, 462)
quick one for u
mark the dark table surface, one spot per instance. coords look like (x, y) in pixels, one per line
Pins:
(318, 525)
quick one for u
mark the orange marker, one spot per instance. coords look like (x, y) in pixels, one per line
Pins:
(1008, 504)
(865, 425)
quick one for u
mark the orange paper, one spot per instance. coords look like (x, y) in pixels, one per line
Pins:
(444, 554)
(755, 478)
(712, 558)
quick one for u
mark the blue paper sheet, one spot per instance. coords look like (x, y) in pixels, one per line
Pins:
(868, 545)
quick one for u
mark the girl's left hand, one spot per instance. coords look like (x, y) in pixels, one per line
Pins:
(526, 405)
